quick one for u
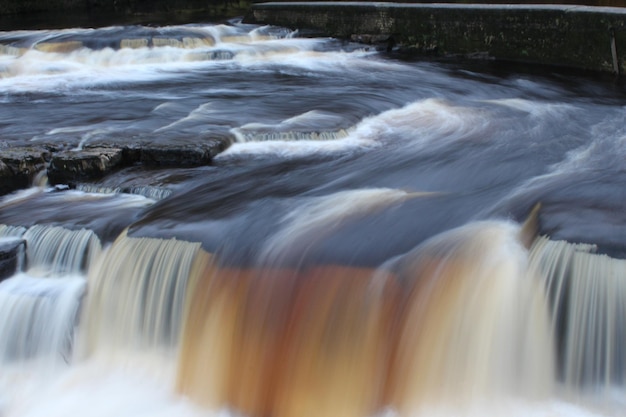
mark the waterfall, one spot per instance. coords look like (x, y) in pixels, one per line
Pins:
(466, 318)
(11, 231)
(475, 323)
(154, 193)
(40, 308)
(137, 289)
(137, 294)
(58, 251)
(587, 293)
(286, 342)
(38, 317)
(53, 250)
(459, 319)
(12, 249)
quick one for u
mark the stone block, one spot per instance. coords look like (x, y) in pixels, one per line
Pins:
(19, 166)
(70, 167)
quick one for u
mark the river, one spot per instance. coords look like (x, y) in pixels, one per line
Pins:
(383, 236)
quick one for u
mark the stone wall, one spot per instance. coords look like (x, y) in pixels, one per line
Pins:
(44, 14)
(28, 6)
(572, 36)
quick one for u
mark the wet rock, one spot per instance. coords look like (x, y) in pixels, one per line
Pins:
(9, 252)
(5, 178)
(70, 167)
(380, 42)
(130, 155)
(185, 155)
(19, 166)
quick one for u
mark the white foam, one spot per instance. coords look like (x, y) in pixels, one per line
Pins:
(119, 200)
(26, 68)
(312, 125)
(95, 389)
(38, 317)
(290, 149)
(426, 123)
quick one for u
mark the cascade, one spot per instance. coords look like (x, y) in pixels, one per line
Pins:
(312, 126)
(457, 320)
(137, 294)
(56, 250)
(39, 316)
(286, 342)
(475, 323)
(40, 307)
(12, 248)
(11, 231)
(250, 135)
(587, 293)
(154, 193)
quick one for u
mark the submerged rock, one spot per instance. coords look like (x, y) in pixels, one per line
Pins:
(9, 251)
(185, 155)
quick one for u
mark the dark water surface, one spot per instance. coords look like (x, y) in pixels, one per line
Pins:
(316, 117)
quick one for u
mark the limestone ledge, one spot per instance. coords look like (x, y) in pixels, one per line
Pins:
(20, 166)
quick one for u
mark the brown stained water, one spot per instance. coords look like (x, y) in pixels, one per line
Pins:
(357, 251)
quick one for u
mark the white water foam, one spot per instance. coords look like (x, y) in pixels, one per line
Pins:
(52, 61)
(127, 383)
(38, 317)
(99, 389)
(311, 125)
(96, 389)
(426, 123)
(56, 250)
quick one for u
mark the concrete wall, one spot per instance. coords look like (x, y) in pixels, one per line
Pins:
(573, 36)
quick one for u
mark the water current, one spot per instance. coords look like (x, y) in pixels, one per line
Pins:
(384, 236)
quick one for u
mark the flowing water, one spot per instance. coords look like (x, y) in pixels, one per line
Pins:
(370, 243)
